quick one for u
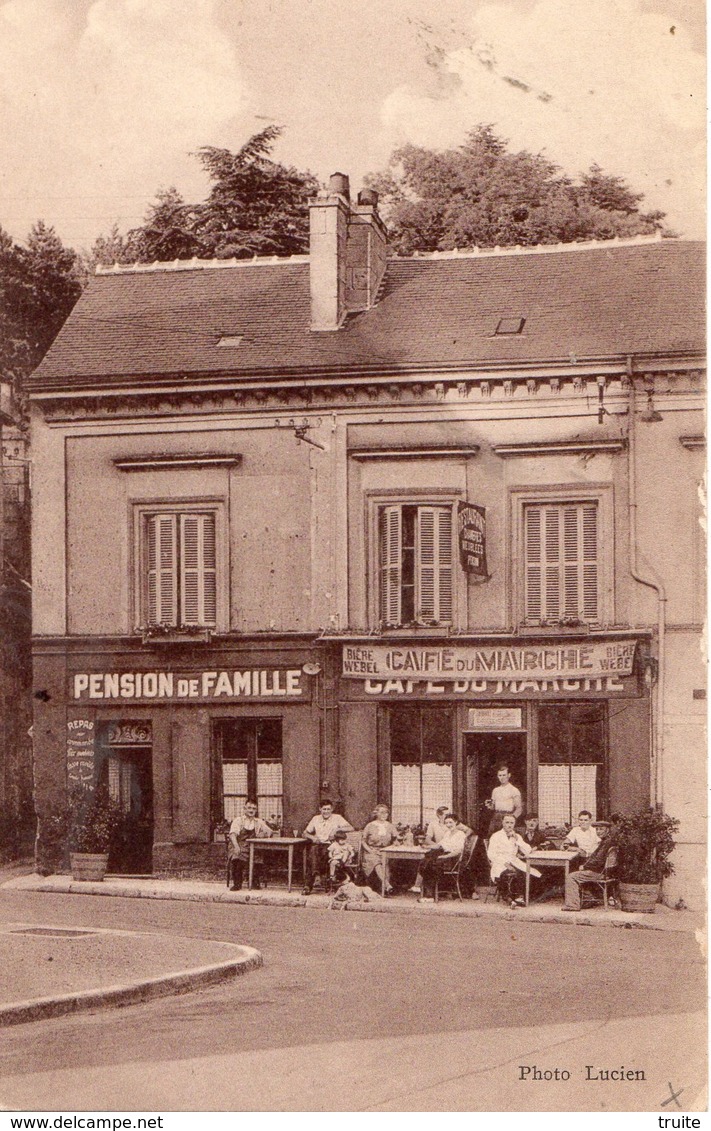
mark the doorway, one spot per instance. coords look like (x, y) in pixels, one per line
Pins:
(125, 769)
(484, 753)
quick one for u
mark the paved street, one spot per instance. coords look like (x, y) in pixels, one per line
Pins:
(418, 1014)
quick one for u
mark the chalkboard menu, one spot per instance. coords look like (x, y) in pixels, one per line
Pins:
(80, 752)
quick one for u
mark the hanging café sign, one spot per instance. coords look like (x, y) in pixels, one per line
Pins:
(521, 669)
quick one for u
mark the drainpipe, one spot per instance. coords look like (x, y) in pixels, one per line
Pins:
(655, 583)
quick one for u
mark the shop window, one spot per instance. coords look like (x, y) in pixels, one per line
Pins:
(178, 565)
(420, 763)
(561, 550)
(248, 765)
(571, 761)
(415, 562)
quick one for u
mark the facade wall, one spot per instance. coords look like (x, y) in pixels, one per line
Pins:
(298, 584)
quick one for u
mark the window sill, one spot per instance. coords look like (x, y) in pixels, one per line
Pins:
(582, 628)
(176, 635)
(414, 629)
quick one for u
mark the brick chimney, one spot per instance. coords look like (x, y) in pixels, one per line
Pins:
(347, 253)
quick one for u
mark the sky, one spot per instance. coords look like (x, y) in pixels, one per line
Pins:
(103, 102)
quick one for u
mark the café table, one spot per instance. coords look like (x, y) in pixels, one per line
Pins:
(280, 843)
(548, 858)
(400, 852)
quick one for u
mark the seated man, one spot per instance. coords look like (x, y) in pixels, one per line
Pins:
(593, 869)
(241, 832)
(531, 833)
(320, 831)
(441, 855)
(583, 835)
(436, 828)
(506, 852)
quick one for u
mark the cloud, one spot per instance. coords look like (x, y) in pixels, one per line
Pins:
(582, 82)
(104, 100)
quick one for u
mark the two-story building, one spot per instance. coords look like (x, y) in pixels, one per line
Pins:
(366, 527)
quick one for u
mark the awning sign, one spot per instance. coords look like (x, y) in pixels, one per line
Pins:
(471, 521)
(588, 660)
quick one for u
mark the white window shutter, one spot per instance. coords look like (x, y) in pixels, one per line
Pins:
(198, 569)
(533, 564)
(426, 566)
(572, 558)
(434, 585)
(445, 565)
(590, 610)
(162, 573)
(552, 563)
(390, 534)
(561, 562)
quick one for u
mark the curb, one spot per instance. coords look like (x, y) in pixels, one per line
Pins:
(320, 901)
(105, 887)
(131, 994)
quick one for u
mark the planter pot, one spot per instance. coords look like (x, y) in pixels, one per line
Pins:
(639, 897)
(88, 865)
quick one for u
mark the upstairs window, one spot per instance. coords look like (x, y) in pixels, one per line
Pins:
(561, 552)
(179, 569)
(415, 558)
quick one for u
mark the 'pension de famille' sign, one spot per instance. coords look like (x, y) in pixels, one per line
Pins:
(269, 683)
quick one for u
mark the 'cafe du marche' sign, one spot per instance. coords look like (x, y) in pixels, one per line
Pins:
(596, 665)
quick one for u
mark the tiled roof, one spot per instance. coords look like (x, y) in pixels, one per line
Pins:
(606, 301)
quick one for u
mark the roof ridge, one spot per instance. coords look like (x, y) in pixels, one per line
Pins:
(541, 248)
(195, 264)
(456, 253)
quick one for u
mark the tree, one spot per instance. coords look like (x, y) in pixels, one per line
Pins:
(167, 232)
(14, 349)
(483, 195)
(39, 285)
(256, 206)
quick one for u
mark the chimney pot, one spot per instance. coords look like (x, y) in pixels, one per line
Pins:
(368, 196)
(338, 182)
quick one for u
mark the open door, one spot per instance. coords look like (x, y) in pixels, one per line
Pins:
(125, 768)
(484, 753)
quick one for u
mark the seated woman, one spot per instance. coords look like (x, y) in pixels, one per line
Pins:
(377, 834)
(441, 856)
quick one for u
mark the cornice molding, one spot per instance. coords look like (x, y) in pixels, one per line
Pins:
(560, 447)
(170, 462)
(429, 452)
(520, 386)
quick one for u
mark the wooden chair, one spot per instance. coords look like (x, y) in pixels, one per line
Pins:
(607, 878)
(447, 879)
(228, 856)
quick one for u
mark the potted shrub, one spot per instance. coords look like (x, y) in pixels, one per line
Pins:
(644, 843)
(94, 821)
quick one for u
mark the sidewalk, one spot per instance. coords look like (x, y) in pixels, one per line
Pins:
(664, 918)
(49, 971)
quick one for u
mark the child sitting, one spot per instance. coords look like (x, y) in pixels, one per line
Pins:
(340, 856)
